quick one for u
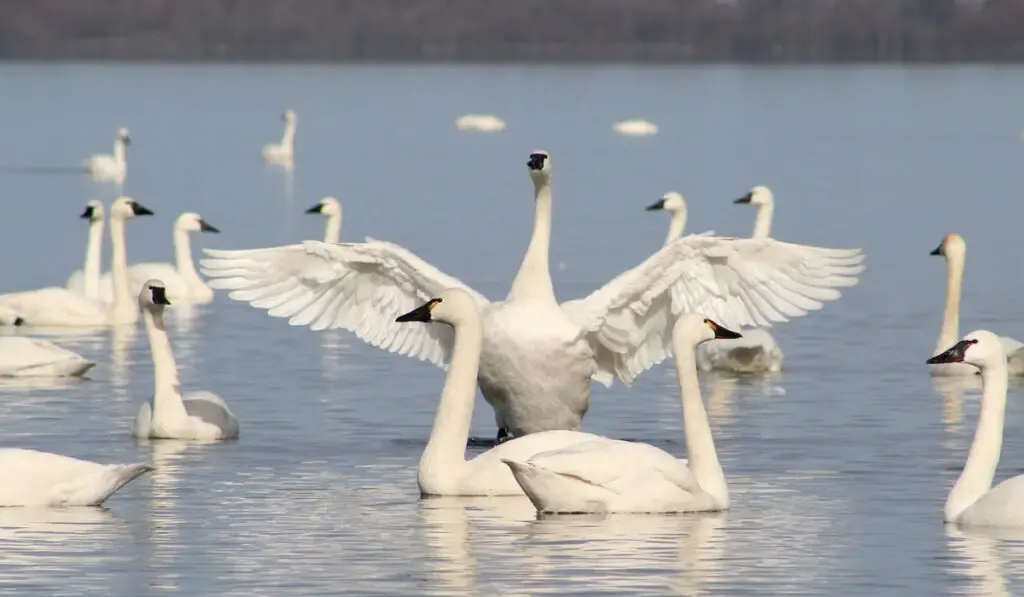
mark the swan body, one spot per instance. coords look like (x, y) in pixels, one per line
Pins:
(31, 357)
(635, 128)
(55, 306)
(10, 317)
(329, 208)
(483, 123)
(86, 281)
(972, 500)
(171, 415)
(31, 478)
(605, 475)
(283, 152)
(538, 355)
(112, 166)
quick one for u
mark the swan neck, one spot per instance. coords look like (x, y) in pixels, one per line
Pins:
(446, 448)
(166, 387)
(676, 225)
(950, 331)
(123, 309)
(763, 221)
(983, 458)
(119, 151)
(332, 234)
(700, 445)
(534, 278)
(288, 139)
(183, 256)
(93, 260)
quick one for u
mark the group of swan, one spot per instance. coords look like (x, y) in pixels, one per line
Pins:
(539, 355)
(110, 166)
(283, 152)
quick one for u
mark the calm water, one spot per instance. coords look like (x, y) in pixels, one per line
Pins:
(838, 468)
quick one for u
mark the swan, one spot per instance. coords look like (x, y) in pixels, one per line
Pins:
(32, 357)
(538, 355)
(330, 208)
(113, 167)
(9, 317)
(973, 501)
(483, 123)
(954, 249)
(55, 306)
(607, 475)
(170, 415)
(674, 204)
(635, 128)
(181, 279)
(86, 281)
(32, 478)
(284, 151)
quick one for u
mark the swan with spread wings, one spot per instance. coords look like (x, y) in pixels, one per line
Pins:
(539, 355)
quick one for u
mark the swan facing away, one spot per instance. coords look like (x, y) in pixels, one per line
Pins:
(607, 475)
(329, 208)
(954, 249)
(32, 357)
(283, 152)
(973, 500)
(86, 281)
(170, 415)
(55, 306)
(539, 356)
(31, 478)
(112, 167)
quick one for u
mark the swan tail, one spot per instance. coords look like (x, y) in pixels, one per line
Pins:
(119, 476)
(553, 492)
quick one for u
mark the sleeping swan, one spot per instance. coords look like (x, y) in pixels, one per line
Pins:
(607, 475)
(196, 415)
(31, 478)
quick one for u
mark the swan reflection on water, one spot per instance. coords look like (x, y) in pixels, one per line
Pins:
(975, 553)
(58, 542)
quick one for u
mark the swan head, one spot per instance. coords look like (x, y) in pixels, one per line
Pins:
(122, 136)
(328, 206)
(540, 166)
(190, 221)
(759, 195)
(288, 116)
(124, 208)
(952, 246)
(980, 348)
(692, 329)
(671, 201)
(153, 296)
(453, 307)
(93, 211)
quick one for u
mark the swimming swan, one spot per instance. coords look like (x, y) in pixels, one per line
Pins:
(283, 152)
(86, 281)
(954, 249)
(31, 478)
(196, 415)
(55, 306)
(329, 208)
(114, 167)
(973, 500)
(538, 355)
(32, 357)
(608, 475)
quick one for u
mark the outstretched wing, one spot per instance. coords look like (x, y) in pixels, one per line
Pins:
(359, 287)
(737, 282)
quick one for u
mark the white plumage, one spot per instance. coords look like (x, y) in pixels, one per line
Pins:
(31, 478)
(32, 357)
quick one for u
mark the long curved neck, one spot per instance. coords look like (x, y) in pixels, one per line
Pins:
(950, 331)
(122, 310)
(534, 278)
(446, 449)
(700, 445)
(166, 387)
(763, 221)
(976, 478)
(288, 139)
(93, 256)
(676, 225)
(333, 231)
(183, 256)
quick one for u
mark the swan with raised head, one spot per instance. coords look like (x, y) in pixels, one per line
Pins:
(973, 500)
(538, 355)
(55, 306)
(329, 208)
(33, 357)
(171, 415)
(673, 203)
(608, 475)
(113, 167)
(33, 478)
(283, 152)
(86, 281)
(954, 249)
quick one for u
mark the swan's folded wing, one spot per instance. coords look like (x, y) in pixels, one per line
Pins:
(615, 464)
(359, 287)
(736, 282)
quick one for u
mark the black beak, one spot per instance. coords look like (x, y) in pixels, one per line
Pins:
(421, 313)
(204, 227)
(318, 208)
(18, 320)
(722, 333)
(744, 199)
(127, 140)
(937, 251)
(159, 295)
(659, 204)
(953, 355)
(87, 213)
(140, 210)
(536, 161)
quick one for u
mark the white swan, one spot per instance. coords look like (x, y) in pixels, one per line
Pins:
(113, 167)
(330, 208)
(635, 128)
(31, 357)
(607, 475)
(973, 500)
(31, 478)
(86, 281)
(196, 415)
(675, 205)
(483, 123)
(954, 249)
(283, 152)
(55, 306)
(9, 317)
(538, 355)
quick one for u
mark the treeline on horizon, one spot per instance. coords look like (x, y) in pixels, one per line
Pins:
(515, 30)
